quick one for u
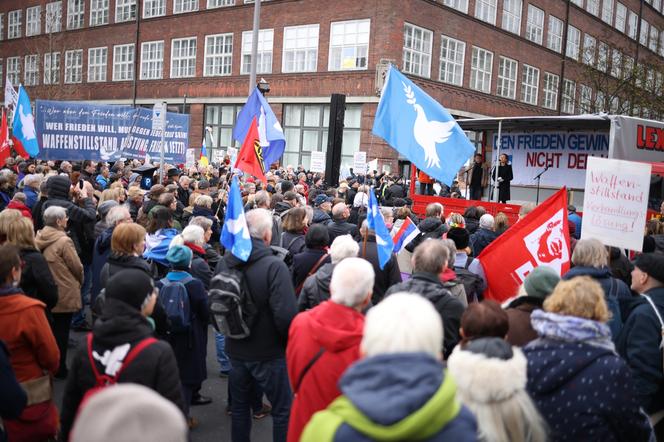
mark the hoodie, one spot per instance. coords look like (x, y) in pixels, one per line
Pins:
(334, 329)
(392, 397)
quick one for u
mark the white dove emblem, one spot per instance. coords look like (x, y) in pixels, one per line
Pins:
(428, 133)
(238, 225)
(27, 124)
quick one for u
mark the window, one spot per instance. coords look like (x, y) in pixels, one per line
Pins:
(459, 5)
(616, 63)
(349, 45)
(451, 60)
(2, 26)
(417, 51)
(14, 69)
(218, 55)
(480, 70)
(31, 70)
(628, 66)
(554, 40)
(535, 24)
(661, 44)
(98, 12)
(219, 3)
(33, 21)
(507, 73)
(632, 24)
(125, 10)
(485, 10)
(123, 62)
(14, 24)
(300, 49)
(529, 84)
(180, 6)
(97, 59)
(643, 38)
(573, 41)
(221, 119)
(152, 60)
(74, 66)
(155, 8)
(75, 13)
(592, 6)
(512, 15)
(602, 56)
(578, 3)
(607, 11)
(654, 39)
(589, 47)
(53, 19)
(52, 68)
(183, 57)
(305, 128)
(550, 90)
(569, 95)
(600, 102)
(1, 72)
(585, 99)
(621, 17)
(264, 54)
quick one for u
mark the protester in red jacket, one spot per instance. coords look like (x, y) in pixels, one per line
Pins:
(324, 341)
(18, 203)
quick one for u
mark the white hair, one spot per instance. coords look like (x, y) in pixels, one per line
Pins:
(487, 221)
(352, 281)
(403, 323)
(117, 214)
(259, 222)
(194, 234)
(201, 221)
(53, 214)
(33, 180)
(342, 247)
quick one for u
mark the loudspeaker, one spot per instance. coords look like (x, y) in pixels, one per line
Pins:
(335, 138)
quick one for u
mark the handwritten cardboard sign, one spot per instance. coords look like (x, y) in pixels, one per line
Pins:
(615, 202)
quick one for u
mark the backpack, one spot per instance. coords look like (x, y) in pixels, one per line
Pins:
(471, 282)
(104, 380)
(231, 304)
(174, 298)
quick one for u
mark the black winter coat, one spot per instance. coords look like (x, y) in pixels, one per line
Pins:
(207, 213)
(448, 307)
(304, 262)
(430, 228)
(342, 227)
(36, 279)
(386, 277)
(481, 239)
(270, 285)
(293, 242)
(14, 398)
(316, 288)
(320, 217)
(472, 225)
(155, 367)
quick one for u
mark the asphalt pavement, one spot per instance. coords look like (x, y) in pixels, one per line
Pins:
(214, 424)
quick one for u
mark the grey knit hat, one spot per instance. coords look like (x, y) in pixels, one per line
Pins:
(541, 281)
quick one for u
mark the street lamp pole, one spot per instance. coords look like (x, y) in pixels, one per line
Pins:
(254, 45)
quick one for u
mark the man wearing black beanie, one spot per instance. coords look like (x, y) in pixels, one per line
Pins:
(641, 338)
(122, 327)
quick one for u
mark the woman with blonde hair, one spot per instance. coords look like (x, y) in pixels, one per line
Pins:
(580, 385)
(7, 217)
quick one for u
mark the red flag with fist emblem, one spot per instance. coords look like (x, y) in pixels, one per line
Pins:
(250, 157)
(540, 239)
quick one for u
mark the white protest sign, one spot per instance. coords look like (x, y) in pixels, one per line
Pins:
(159, 117)
(615, 202)
(218, 155)
(360, 162)
(317, 162)
(372, 165)
(232, 153)
(190, 158)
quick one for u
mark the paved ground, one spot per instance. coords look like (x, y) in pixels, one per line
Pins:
(214, 424)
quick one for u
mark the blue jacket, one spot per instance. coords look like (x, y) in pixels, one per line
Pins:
(584, 392)
(576, 219)
(481, 239)
(638, 343)
(615, 290)
(31, 196)
(100, 254)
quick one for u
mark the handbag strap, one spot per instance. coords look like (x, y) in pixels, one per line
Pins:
(298, 289)
(307, 368)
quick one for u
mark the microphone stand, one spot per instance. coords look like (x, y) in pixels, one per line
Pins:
(538, 178)
(467, 183)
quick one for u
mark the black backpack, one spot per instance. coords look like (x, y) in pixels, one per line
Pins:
(231, 304)
(473, 284)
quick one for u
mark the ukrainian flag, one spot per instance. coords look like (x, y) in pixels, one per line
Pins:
(203, 160)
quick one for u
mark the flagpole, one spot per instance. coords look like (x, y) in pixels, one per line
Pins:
(497, 162)
(254, 45)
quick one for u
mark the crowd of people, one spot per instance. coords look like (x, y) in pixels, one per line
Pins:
(339, 347)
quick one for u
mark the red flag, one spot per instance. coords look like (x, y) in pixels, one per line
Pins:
(19, 149)
(250, 157)
(5, 150)
(541, 238)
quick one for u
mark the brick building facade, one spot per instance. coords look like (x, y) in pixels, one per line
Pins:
(477, 57)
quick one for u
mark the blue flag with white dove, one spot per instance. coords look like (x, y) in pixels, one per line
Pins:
(23, 124)
(235, 233)
(421, 129)
(376, 223)
(270, 132)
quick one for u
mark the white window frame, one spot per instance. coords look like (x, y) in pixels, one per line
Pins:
(99, 12)
(589, 50)
(486, 10)
(125, 10)
(607, 11)
(573, 42)
(300, 52)
(349, 40)
(654, 39)
(554, 38)
(2, 26)
(512, 12)
(550, 88)
(529, 84)
(53, 17)
(616, 63)
(578, 3)
(265, 54)
(645, 32)
(459, 5)
(152, 60)
(592, 6)
(218, 63)
(568, 97)
(124, 57)
(75, 14)
(74, 66)
(184, 6)
(184, 62)
(33, 21)
(52, 68)
(481, 70)
(14, 19)
(585, 98)
(154, 8)
(632, 24)
(14, 69)
(603, 54)
(621, 17)
(417, 55)
(452, 57)
(508, 72)
(535, 24)
(97, 64)
(211, 4)
(31, 75)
